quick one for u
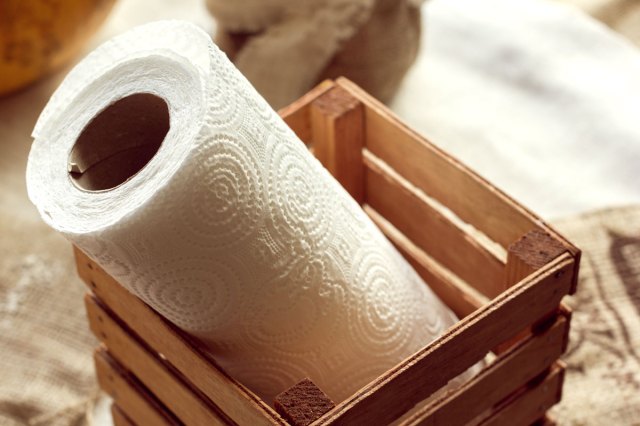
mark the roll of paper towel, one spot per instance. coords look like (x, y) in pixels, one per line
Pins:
(157, 158)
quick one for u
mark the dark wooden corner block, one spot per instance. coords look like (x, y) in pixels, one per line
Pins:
(530, 253)
(526, 255)
(303, 403)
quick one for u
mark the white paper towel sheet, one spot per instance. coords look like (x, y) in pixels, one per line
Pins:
(232, 231)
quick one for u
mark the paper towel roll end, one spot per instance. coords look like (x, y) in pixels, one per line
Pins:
(118, 142)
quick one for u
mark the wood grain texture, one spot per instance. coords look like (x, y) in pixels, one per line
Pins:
(500, 379)
(576, 253)
(140, 406)
(532, 251)
(416, 378)
(297, 115)
(337, 126)
(441, 176)
(472, 198)
(529, 253)
(172, 391)
(401, 203)
(455, 293)
(119, 417)
(532, 403)
(303, 403)
(240, 404)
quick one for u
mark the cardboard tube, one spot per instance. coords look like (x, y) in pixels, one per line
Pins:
(118, 142)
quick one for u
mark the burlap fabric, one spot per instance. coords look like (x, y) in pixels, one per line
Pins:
(603, 377)
(46, 370)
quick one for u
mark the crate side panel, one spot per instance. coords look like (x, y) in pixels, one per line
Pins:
(232, 398)
(171, 391)
(417, 377)
(441, 176)
(495, 383)
(460, 297)
(134, 400)
(532, 404)
(433, 232)
(119, 417)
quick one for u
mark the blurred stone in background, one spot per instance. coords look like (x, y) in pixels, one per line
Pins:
(285, 47)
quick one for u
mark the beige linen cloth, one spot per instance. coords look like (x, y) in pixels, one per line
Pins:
(47, 373)
(46, 369)
(602, 385)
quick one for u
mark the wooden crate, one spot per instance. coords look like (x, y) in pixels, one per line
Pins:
(497, 265)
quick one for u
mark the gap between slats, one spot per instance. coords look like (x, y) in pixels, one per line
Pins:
(240, 404)
(398, 390)
(458, 246)
(444, 178)
(171, 390)
(532, 402)
(141, 407)
(498, 380)
(462, 298)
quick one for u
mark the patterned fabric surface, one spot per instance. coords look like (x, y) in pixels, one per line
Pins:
(603, 377)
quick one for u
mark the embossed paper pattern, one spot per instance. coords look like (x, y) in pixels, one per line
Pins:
(233, 231)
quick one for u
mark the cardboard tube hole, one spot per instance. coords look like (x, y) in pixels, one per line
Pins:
(118, 142)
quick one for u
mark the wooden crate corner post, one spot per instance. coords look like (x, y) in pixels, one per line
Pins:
(528, 254)
(531, 252)
(303, 403)
(337, 129)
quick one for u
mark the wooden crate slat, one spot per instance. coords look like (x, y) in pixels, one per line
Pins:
(458, 295)
(119, 417)
(485, 207)
(532, 404)
(171, 391)
(526, 255)
(337, 121)
(399, 203)
(298, 115)
(416, 378)
(503, 377)
(239, 403)
(441, 176)
(141, 407)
